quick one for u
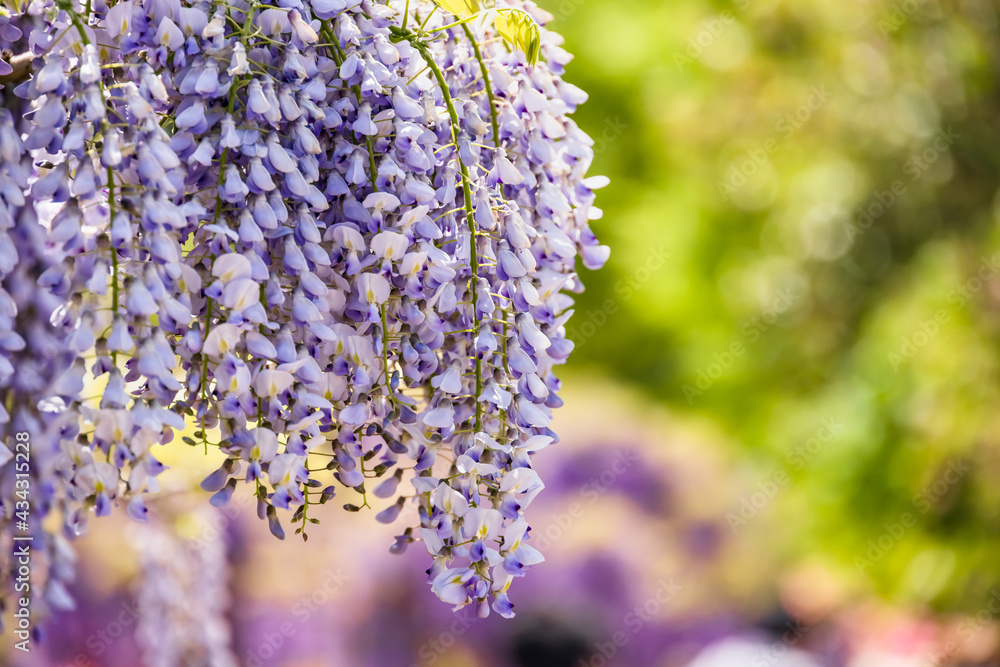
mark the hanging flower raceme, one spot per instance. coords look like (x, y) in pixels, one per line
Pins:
(333, 240)
(183, 597)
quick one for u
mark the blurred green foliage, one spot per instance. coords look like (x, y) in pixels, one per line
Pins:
(823, 178)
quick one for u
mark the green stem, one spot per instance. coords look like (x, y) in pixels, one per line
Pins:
(305, 514)
(385, 356)
(338, 57)
(486, 81)
(496, 142)
(466, 20)
(75, 18)
(428, 18)
(223, 160)
(454, 25)
(469, 216)
(364, 494)
(230, 106)
(114, 256)
(204, 363)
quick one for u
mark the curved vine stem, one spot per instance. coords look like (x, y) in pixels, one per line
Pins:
(496, 143)
(469, 213)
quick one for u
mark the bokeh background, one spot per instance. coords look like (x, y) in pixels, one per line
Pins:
(781, 433)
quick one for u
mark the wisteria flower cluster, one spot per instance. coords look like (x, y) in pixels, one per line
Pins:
(183, 599)
(333, 240)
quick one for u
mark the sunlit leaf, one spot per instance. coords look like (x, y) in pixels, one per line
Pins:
(460, 8)
(521, 31)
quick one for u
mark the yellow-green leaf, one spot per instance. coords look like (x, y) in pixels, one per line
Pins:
(460, 8)
(521, 31)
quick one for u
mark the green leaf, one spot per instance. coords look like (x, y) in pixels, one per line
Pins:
(521, 32)
(460, 8)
